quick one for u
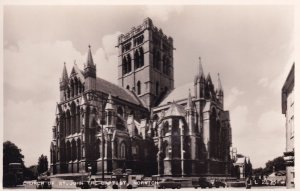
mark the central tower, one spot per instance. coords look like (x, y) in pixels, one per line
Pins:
(145, 62)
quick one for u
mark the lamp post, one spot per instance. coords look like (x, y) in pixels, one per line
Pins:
(110, 134)
(102, 122)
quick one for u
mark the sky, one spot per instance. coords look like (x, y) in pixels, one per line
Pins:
(251, 46)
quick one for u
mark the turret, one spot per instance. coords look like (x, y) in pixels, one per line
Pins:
(199, 81)
(90, 72)
(219, 91)
(110, 112)
(63, 84)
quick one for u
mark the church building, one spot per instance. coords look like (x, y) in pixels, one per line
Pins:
(143, 123)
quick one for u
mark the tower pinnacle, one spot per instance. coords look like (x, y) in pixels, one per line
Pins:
(200, 73)
(90, 61)
(64, 77)
(219, 88)
(189, 105)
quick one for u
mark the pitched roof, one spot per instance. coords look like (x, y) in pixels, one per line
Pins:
(175, 110)
(179, 93)
(116, 91)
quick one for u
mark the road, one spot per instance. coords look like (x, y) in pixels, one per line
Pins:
(68, 184)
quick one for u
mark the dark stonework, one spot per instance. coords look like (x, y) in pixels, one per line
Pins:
(144, 123)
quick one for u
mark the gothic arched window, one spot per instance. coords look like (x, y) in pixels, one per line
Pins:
(158, 61)
(128, 63)
(141, 57)
(136, 60)
(123, 151)
(120, 111)
(165, 128)
(124, 65)
(138, 87)
(128, 87)
(213, 132)
(109, 118)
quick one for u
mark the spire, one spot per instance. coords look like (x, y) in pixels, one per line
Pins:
(189, 105)
(200, 73)
(219, 89)
(64, 74)
(219, 84)
(90, 61)
(200, 68)
(208, 77)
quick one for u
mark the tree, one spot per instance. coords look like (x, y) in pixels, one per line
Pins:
(42, 164)
(275, 164)
(11, 154)
(30, 173)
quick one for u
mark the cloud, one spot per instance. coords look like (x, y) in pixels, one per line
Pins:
(109, 43)
(264, 82)
(28, 129)
(232, 96)
(161, 13)
(278, 82)
(31, 88)
(239, 120)
(271, 122)
(107, 58)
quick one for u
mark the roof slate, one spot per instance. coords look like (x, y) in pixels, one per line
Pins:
(175, 110)
(179, 93)
(116, 91)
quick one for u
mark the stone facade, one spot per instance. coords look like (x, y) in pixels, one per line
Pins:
(288, 110)
(143, 124)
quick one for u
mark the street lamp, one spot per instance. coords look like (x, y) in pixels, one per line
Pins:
(110, 134)
(102, 122)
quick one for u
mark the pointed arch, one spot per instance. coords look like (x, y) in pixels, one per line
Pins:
(78, 125)
(68, 122)
(124, 65)
(68, 151)
(72, 88)
(73, 124)
(213, 132)
(74, 150)
(97, 148)
(78, 149)
(123, 150)
(141, 57)
(120, 111)
(129, 63)
(136, 59)
(165, 128)
(75, 86)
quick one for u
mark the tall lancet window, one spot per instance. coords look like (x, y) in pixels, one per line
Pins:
(141, 57)
(123, 151)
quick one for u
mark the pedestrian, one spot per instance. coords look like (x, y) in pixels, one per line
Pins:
(248, 183)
